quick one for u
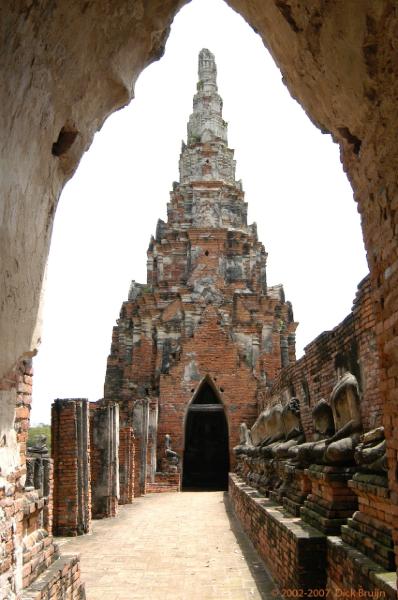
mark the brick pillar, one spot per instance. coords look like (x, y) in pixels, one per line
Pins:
(71, 454)
(141, 426)
(126, 465)
(105, 459)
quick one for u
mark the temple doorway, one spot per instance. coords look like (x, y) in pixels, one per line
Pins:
(206, 454)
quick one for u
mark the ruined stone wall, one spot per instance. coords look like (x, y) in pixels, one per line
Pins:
(313, 376)
(27, 547)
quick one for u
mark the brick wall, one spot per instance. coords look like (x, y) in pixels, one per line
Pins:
(351, 575)
(60, 580)
(16, 398)
(294, 552)
(313, 376)
(31, 566)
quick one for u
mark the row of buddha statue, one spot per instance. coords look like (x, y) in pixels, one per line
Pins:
(330, 482)
(338, 439)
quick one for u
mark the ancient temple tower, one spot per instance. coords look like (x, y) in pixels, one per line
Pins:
(196, 345)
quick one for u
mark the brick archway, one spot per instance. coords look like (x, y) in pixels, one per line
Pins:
(66, 69)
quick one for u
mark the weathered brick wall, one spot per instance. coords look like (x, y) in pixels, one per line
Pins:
(294, 552)
(28, 553)
(39, 552)
(38, 548)
(16, 397)
(60, 580)
(209, 352)
(71, 454)
(313, 376)
(351, 575)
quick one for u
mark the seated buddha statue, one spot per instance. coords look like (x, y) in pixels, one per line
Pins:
(294, 434)
(273, 430)
(268, 428)
(344, 401)
(312, 452)
(171, 457)
(245, 442)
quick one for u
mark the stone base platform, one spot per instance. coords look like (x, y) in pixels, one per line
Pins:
(294, 552)
(351, 574)
(60, 580)
(298, 488)
(331, 501)
(281, 482)
(370, 529)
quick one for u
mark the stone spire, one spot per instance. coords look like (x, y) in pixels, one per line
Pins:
(206, 239)
(206, 122)
(206, 157)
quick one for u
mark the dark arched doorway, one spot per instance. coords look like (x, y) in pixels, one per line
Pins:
(206, 453)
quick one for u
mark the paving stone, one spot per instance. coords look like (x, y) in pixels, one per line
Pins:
(175, 546)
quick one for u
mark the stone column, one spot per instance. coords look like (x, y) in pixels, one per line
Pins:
(152, 439)
(105, 460)
(71, 454)
(140, 426)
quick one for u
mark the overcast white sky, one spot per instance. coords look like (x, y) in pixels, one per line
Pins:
(294, 183)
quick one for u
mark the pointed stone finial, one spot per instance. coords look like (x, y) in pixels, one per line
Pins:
(207, 69)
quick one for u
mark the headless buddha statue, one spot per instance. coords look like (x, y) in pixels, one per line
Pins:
(273, 431)
(294, 434)
(245, 442)
(344, 400)
(268, 428)
(312, 452)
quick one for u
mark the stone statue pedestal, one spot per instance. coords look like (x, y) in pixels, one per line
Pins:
(269, 478)
(370, 528)
(298, 488)
(168, 467)
(331, 501)
(280, 482)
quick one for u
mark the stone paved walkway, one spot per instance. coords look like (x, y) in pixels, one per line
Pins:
(185, 546)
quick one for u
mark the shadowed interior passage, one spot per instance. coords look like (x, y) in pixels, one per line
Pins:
(206, 458)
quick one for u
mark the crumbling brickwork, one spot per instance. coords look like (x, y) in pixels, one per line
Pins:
(29, 554)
